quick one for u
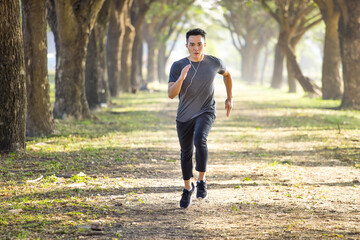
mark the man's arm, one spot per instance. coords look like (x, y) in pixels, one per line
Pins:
(228, 85)
(175, 87)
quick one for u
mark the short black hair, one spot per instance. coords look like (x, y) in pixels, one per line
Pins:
(195, 32)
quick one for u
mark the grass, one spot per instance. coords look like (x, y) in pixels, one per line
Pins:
(85, 160)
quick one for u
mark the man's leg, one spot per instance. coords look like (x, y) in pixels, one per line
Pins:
(185, 133)
(202, 128)
(201, 176)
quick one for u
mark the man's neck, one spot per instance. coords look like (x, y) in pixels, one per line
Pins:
(200, 58)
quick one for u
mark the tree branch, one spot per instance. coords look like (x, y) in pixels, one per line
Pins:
(344, 10)
(268, 9)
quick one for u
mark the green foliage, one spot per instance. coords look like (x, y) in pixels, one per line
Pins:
(81, 177)
(164, 16)
(235, 208)
(51, 179)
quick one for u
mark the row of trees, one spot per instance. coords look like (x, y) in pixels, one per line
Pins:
(251, 28)
(99, 52)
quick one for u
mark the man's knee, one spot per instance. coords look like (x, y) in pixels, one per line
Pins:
(200, 141)
(187, 153)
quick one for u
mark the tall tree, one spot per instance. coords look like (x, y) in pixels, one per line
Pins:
(349, 33)
(96, 79)
(137, 14)
(295, 18)
(277, 76)
(39, 120)
(159, 26)
(164, 52)
(115, 36)
(74, 22)
(52, 21)
(250, 29)
(12, 79)
(331, 78)
(126, 49)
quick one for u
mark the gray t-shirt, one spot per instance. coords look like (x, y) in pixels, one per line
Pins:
(197, 92)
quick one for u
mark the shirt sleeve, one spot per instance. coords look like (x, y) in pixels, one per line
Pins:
(175, 72)
(222, 67)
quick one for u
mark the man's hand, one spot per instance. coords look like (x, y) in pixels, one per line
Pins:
(228, 106)
(228, 85)
(184, 72)
(175, 87)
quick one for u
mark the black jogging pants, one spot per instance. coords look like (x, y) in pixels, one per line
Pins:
(194, 133)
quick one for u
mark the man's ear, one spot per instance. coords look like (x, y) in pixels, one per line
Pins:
(204, 44)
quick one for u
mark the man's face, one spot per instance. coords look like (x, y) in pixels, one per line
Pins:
(195, 46)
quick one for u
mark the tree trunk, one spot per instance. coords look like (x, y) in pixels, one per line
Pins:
(255, 62)
(152, 68)
(105, 97)
(349, 33)
(138, 12)
(141, 80)
(135, 77)
(277, 77)
(52, 21)
(331, 78)
(70, 100)
(96, 86)
(12, 79)
(266, 55)
(126, 53)
(93, 71)
(115, 37)
(162, 63)
(163, 57)
(249, 63)
(290, 77)
(75, 20)
(39, 120)
(246, 67)
(294, 18)
(291, 69)
(307, 84)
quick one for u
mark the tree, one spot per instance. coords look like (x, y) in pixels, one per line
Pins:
(164, 53)
(159, 25)
(331, 78)
(294, 18)
(137, 14)
(349, 33)
(115, 36)
(250, 29)
(12, 79)
(96, 81)
(52, 21)
(126, 49)
(73, 25)
(39, 120)
(277, 77)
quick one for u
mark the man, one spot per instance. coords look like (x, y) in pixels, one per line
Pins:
(192, 79)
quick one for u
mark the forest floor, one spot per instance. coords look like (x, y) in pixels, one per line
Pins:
(283, 166)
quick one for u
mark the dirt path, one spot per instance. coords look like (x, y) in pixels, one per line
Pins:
(267, 180)
(279, 168)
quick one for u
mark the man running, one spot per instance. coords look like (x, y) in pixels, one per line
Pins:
(192, 79)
